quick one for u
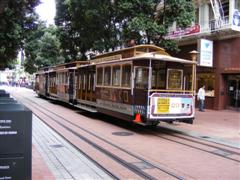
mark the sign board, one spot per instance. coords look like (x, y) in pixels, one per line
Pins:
(206, 52)
(169, 105)
(105, 59)
(183, 32)
(236, 20)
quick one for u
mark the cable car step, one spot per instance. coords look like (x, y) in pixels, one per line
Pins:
(87, 108)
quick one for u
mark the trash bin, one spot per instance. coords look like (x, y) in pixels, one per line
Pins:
(5, 100)
(2, 91)
(15, 142)
(4, 94)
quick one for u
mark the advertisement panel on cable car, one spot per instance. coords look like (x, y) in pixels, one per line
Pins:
(162, 104)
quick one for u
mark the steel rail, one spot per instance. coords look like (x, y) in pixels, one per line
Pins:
(133, 168)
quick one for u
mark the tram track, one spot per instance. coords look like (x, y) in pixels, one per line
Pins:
(219, 151)
(200, 140)
(138, 171)
(132, 167)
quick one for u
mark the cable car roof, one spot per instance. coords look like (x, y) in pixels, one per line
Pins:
(152, 56)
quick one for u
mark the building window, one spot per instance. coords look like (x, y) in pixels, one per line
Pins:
(204, 17)
(99, 76)
(126, 75)
(237, 4)
(107, 76)
(207, 79)
(116, 76)
(225, 8)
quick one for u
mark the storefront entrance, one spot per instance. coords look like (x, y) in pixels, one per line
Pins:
(234, 91)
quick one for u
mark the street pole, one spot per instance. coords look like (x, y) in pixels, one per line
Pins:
(194, 55)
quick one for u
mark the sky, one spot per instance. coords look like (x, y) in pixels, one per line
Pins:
(47, 11)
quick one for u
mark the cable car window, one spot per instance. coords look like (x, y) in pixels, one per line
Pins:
(175, 78)
(126, 75)
(154, 79)
(94, 81)
(79, 81)
(141, 77)
(84, 81)
(65, 78)
(99, 76)
(107, 76)
(158, 75)
(59, 78)
(116, 76)
(89, 82)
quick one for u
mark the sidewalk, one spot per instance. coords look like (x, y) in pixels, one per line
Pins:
(55, 158)
(40, 170)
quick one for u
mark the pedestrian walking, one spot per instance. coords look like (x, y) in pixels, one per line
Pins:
(201, 98)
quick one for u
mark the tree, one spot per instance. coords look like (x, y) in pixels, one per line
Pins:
(103, 25)
(67, 34)
(49, 48)
(84, 25)
(17, 18)
(180, 11)
(31, 48)
(152, 19)
(42, 48)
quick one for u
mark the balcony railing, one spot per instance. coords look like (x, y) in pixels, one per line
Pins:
(217, 24)
(214, 25)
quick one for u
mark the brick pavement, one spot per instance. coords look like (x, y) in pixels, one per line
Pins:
(40, 170)
(54, 158)
(220, 126)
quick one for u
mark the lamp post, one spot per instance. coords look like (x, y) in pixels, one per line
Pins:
(194, 55)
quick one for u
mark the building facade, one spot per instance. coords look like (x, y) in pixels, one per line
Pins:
(216, 35)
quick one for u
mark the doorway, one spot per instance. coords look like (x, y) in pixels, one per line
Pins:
(234, 91)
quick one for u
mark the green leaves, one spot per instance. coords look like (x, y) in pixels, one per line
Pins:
(84, 25)
(104, 25)
(42, 48)
(15, 21)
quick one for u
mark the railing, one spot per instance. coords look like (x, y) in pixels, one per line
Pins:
(219, 24)
(172, 91)
(216, 24)
(206, 27)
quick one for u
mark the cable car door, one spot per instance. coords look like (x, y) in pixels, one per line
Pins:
(71, 86)
(141, 85)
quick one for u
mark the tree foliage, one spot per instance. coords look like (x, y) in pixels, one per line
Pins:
(42, 48)
(85, 25)
(103, 25)
(17, 19)
(180, 11)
